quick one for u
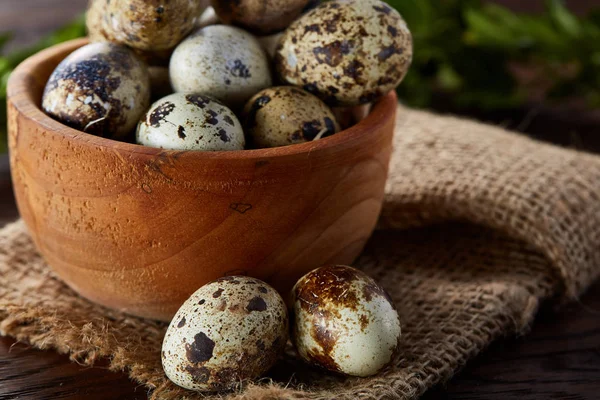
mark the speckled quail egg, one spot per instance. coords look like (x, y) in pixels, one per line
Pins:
(190, 122)
(222, 61)
(96, 33)
(259, 16)
(344, 321)
(347, 52)
(94, 19)
(229, 331)
(146, 24)
(208, 17)
(101, 88)
(286, 115)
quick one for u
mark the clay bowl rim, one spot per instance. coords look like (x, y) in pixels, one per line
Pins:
(24, 84)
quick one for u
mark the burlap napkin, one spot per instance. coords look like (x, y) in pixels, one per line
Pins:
(479, 226)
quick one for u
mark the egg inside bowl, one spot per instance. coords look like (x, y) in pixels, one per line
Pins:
(139, 229)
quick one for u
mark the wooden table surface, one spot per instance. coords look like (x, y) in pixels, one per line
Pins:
(559, 359)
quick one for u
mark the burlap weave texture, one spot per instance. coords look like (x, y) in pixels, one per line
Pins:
(479, 226)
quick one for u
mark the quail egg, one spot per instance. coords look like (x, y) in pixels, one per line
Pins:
(344, 321)
(347, 52)
(222, 61)
(260, 16)
(94, 19)
(190, 122)
(149, 25)
(96, 33)
(208, 17)
(101, 88)
(286, 115)
(230, 330)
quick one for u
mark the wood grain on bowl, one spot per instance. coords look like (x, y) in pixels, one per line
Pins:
(140, 229)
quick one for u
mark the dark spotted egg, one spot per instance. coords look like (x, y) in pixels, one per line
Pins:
(281, 116)
(101, 88)
(190, 122)
(260, 16)
(344, 321)
(148, 25)
(347, 52)
(231, 330)
(222, 61)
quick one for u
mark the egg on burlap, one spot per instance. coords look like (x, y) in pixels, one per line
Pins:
(344, 321)
(229, 331)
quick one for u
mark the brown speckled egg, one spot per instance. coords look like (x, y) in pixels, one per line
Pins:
(229, 331)
(94, 18)
(221, 61)
(190, 122)
(150, 25)
(96, 33)
(347, 52)
(344, 321)
(101, 88)
(286, 115)
(259, 16)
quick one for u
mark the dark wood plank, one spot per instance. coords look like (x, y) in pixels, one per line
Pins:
(30, 374)
(559, 359)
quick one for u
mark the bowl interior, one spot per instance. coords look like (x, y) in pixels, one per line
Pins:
(29, 80)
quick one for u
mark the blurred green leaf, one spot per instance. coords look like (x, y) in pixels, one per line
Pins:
(564, 20)
(463, 50)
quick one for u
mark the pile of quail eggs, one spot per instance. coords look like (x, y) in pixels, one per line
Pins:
(232, 76)
(244, 74)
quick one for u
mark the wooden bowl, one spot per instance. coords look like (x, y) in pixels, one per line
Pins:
(140, 229)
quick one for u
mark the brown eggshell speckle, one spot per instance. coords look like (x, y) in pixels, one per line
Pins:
(259, 16)
(344, 321)
(347, 52)
(286, 115)
(101, 88)
(229, 331)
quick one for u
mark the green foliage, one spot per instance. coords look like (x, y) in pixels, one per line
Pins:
(463, 49)
(10, 61)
